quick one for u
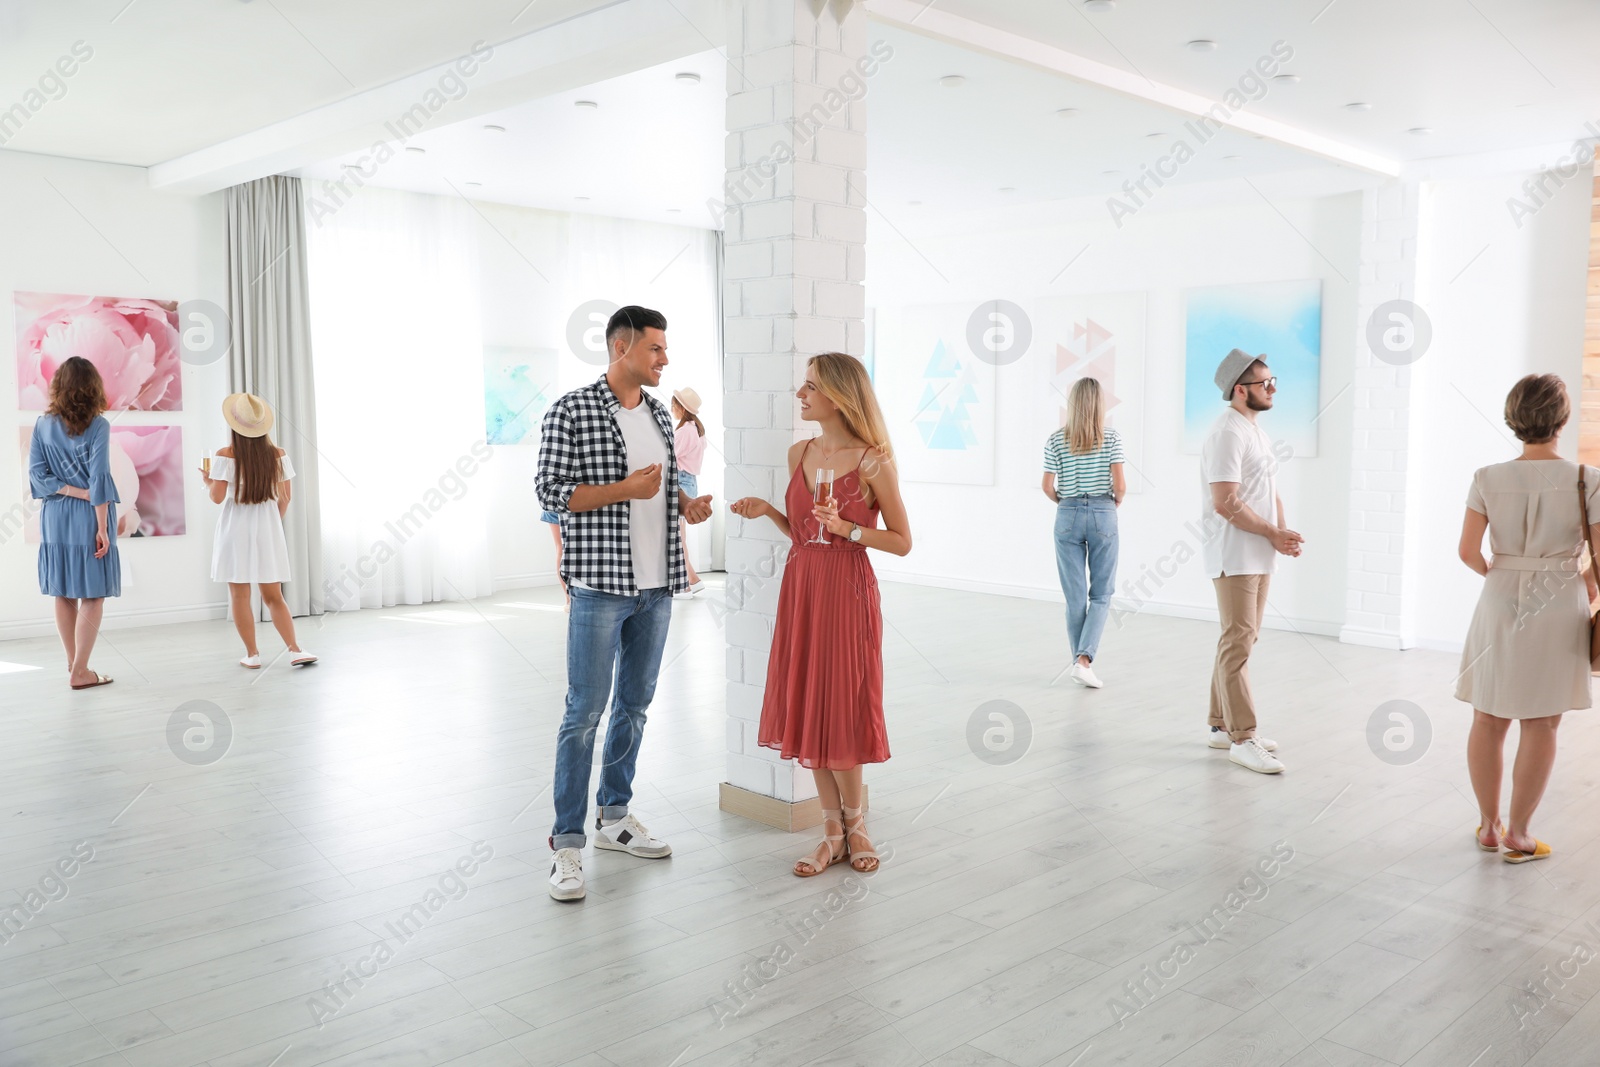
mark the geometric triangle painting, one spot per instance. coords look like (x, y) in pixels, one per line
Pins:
(1099, 336)
(944, 415)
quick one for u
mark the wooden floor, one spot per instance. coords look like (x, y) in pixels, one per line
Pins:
(1100, 900)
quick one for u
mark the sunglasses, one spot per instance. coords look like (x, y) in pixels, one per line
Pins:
(1270, 383)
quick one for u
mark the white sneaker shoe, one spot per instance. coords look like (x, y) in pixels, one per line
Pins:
(1084, 676)
(253, 662)
(566, 875)
(302, 658)
(1220, 739)
(697, 586)
(628, 835)
(1250, 755)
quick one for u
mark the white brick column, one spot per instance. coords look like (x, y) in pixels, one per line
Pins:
(1381, 586)
(795, 230)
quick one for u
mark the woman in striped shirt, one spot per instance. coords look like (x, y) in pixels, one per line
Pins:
(1083, 475)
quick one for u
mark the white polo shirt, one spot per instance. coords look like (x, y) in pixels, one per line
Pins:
(1238, 450)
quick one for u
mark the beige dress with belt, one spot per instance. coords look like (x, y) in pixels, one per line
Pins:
(1527, 652)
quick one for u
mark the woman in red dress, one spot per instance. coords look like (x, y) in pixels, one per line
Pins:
(824, 697)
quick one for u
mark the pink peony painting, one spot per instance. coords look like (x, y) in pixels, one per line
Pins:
(134, 343)
(147, 467)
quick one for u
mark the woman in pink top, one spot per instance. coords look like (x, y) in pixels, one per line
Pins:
(689, 445)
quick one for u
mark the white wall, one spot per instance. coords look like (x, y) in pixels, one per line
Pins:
(98, 229)
(1504, 301)
(998, 537)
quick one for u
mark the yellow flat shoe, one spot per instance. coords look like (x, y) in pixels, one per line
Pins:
(1540, 851)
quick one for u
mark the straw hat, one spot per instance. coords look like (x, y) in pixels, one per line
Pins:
(247, 414)
(688, 398)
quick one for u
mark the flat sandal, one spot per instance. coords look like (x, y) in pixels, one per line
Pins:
(828, 815)
(855, 825)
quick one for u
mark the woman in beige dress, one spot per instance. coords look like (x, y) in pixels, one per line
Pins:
(1527, 651)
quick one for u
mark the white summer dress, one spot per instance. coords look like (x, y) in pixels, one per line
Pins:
(1527, 650)
(250, 545)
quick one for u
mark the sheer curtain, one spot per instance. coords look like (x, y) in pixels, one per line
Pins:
(399, 380)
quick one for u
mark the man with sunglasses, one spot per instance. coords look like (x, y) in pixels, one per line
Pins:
(1238, 472)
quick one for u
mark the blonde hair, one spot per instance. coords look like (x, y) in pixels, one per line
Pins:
(843, 380)
(1086, 417)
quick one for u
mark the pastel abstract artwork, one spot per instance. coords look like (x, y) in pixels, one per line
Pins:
(939, 398)
(133, 342)
(517, 387)
(1281, 321)
(1100, 337)
(147, 467)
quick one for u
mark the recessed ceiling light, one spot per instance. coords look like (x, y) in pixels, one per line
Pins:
(494, 129)
(687, 77)
(1359, 105)
(585, 103)
(473, 185)
(1112, 173)
(417, 150)
(914, 203)
(1099, 5)
(1158, 133)
(1230, 159)
(1067, 113)
(1421, 131)
(1287, 79)
(1008, 188)
(953, 81)
(674, 211)
(580, 198)
(1201, 45)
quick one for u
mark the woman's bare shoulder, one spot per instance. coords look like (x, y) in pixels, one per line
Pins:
(226, 451)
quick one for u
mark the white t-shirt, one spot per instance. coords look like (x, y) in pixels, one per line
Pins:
(1238, 450)
(647, 519)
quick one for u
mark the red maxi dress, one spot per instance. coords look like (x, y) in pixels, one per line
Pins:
(824, 698)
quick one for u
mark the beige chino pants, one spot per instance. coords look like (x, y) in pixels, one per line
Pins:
(1241, 601)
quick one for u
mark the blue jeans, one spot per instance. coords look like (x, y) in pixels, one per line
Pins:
(1086, 537)
(608, 637)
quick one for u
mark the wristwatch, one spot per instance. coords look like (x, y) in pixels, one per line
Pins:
(855, 533)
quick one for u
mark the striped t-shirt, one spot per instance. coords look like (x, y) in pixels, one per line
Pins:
(1085, 474)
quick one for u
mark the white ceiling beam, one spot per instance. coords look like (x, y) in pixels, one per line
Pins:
(921, 16)
(617, 39)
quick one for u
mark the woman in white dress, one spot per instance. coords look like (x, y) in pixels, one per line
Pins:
(250, 479)
(1527, 652)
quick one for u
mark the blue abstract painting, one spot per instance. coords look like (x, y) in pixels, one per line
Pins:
(1280, 321)
(517, 388)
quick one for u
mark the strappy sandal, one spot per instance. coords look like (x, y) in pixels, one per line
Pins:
(99, 679)
(809, 867)
(1499, 832)
(855, 825)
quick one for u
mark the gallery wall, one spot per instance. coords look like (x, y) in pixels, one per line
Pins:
(997, 537)
(98, 230)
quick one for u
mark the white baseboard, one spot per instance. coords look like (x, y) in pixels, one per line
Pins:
(119, 620)
(1120, 606)
(1357, 635)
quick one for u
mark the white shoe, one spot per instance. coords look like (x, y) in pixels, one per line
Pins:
(1220, 739)
(253, 662)
(302, 658)
(1250, 755)
(687, 594)
(696, 586)
(566, 875)
(628, 835)
(1084, 676)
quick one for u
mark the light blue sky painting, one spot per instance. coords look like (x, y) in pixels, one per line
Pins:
(517, 387)
(1281, 320)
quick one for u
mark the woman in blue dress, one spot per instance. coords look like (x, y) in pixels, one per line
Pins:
(69, 468)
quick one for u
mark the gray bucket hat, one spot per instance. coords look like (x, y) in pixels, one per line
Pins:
(1232, 368)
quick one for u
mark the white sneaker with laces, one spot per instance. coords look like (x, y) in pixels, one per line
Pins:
(566, 875)
(253, 662)
(1250, 755)
(1084, 676)
(1220, 739)
(628, 835)
(302, 658)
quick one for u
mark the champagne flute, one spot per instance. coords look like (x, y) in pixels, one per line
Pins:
(821, 495)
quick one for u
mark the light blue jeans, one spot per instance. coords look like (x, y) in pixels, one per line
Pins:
(608, 637)
(1086, 557)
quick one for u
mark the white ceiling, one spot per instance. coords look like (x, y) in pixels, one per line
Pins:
(172, 77)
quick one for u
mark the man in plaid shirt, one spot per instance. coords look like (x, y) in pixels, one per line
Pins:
(606, 466)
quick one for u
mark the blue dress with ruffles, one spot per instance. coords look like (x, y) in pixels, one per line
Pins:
(67, 566)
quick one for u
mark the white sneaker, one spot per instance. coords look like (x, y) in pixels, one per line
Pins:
(696, 586)
(1084, 676)
(1250, 755)
(687, 594)
(302, 658)
(628, 835)
(566, 875)
(1220, 739)
(253, 662)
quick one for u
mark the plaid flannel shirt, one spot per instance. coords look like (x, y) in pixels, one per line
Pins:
(581, 444)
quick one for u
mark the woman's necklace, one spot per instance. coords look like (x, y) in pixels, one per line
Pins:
(830, 454)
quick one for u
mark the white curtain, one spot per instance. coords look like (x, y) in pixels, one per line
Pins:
(399, 380)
